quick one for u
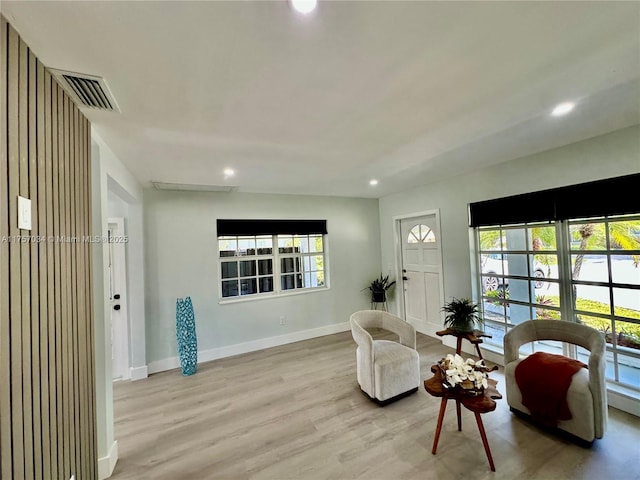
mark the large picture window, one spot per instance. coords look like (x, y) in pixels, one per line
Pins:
(268, 265)
(576, 266)
(568, 254)
(582, 270)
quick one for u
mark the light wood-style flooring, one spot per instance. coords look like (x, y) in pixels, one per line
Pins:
(296, 412)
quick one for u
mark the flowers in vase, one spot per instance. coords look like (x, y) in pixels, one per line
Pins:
(468, 374)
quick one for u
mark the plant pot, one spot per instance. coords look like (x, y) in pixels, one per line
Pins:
(465, 328)
(378, 297)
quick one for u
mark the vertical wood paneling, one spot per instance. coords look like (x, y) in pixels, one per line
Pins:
(5, 333)
(93, 466)
(45, 447)
(51, 325)
(57, 287)
(75, 200)
(64, 284)
(34, 174)
(47, 401)
(80, 386)
(25, 259)
(15, 292)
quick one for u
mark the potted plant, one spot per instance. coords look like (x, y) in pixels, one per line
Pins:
(378, 288)
(462, 315)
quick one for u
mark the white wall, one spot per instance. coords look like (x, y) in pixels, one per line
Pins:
(181, 260)
(110, 178)
(611, 155)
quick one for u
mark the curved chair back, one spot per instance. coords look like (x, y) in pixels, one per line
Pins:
(574, 333)
(391, 380)
(384, 320)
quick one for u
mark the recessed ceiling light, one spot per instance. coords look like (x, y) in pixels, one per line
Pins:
(373, 182)
(228, 172)
(304, 6)
(563, 109)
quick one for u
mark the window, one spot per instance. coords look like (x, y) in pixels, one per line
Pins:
(268, 265)
(605, 283)
(301, 261)
(570, 253)
(582, 270)
(519, 279)
(246, 265)
(421, 234)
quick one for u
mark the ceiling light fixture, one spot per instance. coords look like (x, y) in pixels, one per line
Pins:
(373, 182)
(228, 172)
(563, 109)
(304, 6)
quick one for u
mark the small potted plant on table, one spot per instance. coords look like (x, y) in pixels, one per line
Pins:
(462, 315)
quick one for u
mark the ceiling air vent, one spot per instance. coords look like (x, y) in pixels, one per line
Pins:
(87, 90)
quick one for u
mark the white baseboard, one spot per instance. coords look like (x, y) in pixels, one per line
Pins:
(108, 463)
(252, 346)
(617, 398)
(139, 373)
(427, 329)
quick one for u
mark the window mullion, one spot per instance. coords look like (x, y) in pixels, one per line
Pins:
(565, 281)
(276, 266)
(564, 271)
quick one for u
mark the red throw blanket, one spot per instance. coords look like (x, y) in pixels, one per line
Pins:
(544, 379)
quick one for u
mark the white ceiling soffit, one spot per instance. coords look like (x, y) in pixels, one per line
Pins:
(193, 188)
(88, 90)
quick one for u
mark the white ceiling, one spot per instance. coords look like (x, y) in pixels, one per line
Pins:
(405, 92)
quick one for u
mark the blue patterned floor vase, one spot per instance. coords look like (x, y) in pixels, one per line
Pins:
(186, 336)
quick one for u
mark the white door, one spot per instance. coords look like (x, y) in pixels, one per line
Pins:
(422, 272)
(118, 301)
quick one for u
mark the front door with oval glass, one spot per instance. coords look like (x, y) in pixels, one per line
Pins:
(422, 272)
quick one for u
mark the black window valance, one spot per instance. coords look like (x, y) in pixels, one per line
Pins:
(271, 227)
(612, 196)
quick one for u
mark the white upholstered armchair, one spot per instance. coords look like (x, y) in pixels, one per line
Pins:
(587, 394)
(386, 370)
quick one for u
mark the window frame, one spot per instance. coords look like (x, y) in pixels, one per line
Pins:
(565, 252)
(276, 272)
(530, 277)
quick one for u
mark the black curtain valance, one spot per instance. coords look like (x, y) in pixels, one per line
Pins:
(613, 196)
(271, 227)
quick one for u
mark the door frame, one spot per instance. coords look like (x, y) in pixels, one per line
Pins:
(117, 250)
(397, 244)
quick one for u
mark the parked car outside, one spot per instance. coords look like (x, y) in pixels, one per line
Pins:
(492, 265)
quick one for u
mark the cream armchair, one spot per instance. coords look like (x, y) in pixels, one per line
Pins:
(386, 370)
(587, 394)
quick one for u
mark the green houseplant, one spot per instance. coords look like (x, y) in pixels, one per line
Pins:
(379, 287)
(462, 315)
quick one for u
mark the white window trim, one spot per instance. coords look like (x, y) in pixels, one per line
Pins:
(565, 280)
(276, 274)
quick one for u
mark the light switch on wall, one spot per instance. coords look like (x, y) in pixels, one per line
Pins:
(24, 213)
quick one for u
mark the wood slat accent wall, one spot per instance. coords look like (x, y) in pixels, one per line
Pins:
(47, 399)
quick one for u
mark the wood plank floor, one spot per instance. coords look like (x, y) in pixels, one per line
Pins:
(296, 412)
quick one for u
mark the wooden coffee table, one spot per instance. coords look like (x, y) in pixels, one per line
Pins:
(478, 404)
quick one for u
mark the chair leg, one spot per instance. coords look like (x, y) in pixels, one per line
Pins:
(443, 407)
(459, 416)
